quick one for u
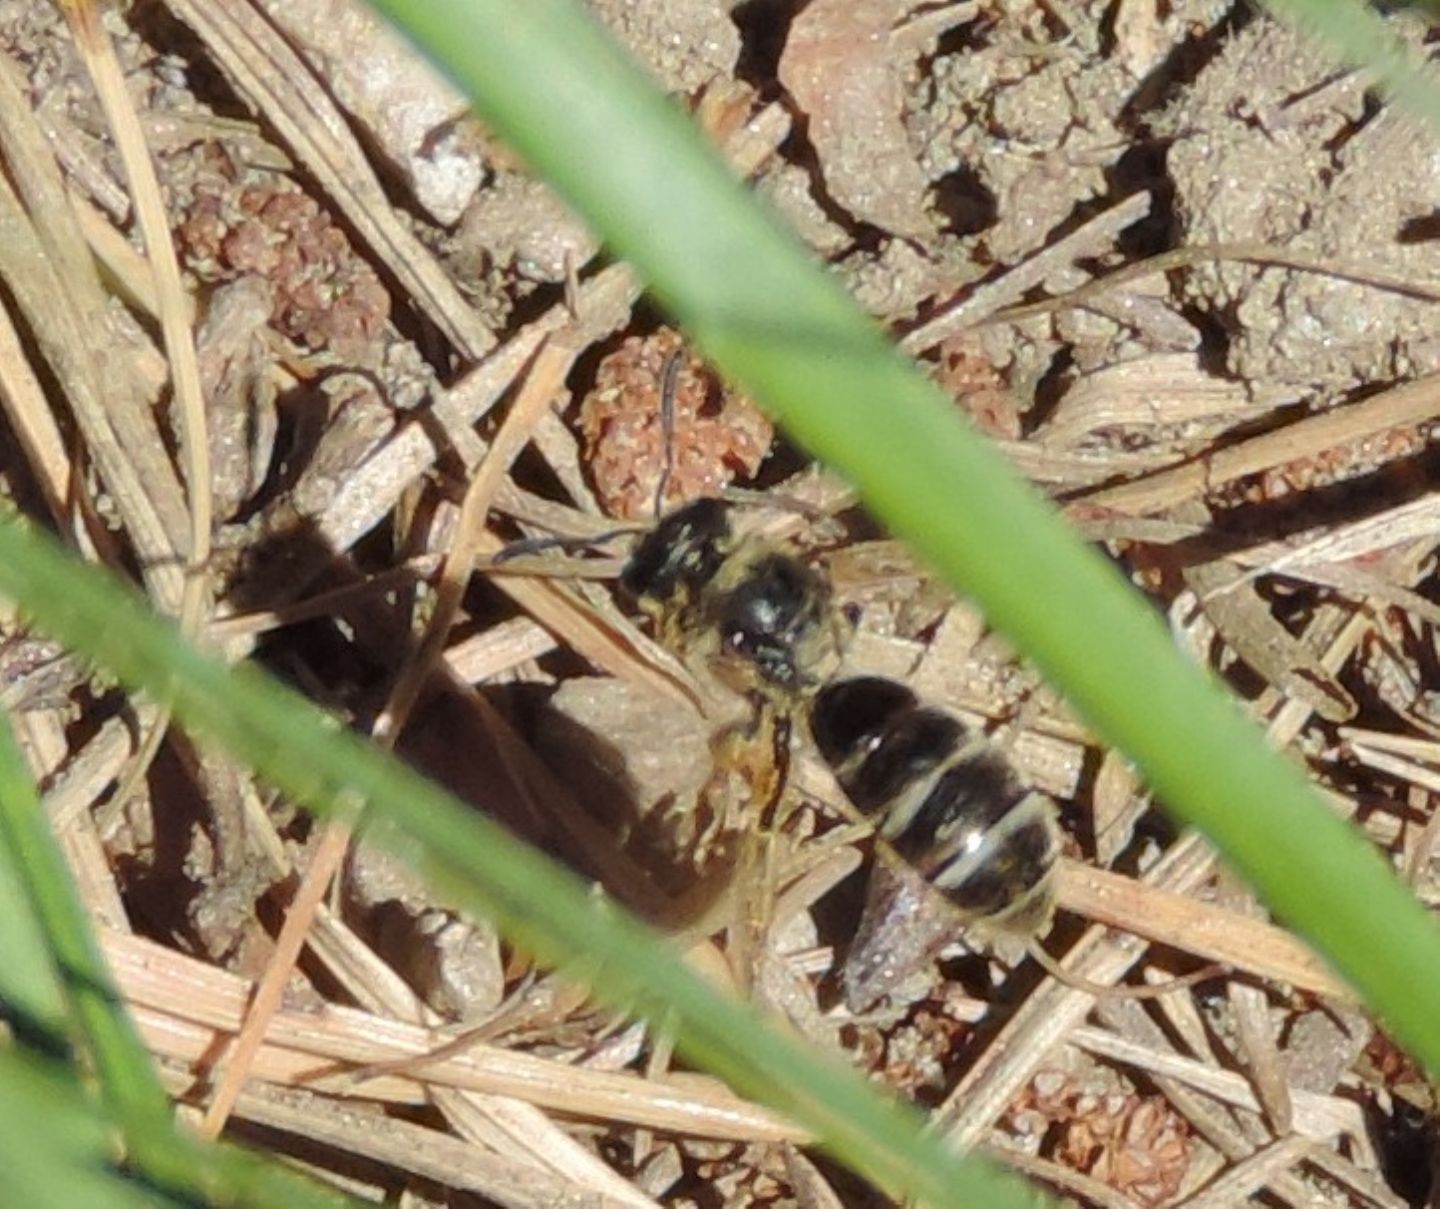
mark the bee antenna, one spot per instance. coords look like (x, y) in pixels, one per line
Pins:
(538, 545)
(1111, 993)
(669, 383)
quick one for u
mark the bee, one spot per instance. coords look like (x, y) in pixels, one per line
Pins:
(757, 616)
(950, 814)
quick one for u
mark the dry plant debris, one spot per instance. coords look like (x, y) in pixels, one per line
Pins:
(843, 71)
(326, 297)
(714, 437)
(1174, 262)
(1138, 1145)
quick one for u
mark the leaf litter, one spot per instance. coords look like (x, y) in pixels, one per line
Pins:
(1239, 431)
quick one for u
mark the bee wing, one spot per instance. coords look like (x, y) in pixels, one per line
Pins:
(903, 924)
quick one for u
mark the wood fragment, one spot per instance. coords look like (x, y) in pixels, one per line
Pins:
(1338, 543)
(1249, 628)
(1250, 1176)
(1241, 250)
(67, 313)
(175, 995)
(1091, 239)
(1158, 390)
(1406, 404)
(1261, 1056)
(1318, 1118)
(172, 301)
(278, 83)
(1244, 944)
(443, 1158)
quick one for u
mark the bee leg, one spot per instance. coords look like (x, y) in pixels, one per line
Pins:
(1110, 993)
(1022, 716)
(747, 788)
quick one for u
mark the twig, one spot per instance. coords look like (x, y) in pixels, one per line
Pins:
(1094, 237)
(1182, 922)
(545, 379)
(1407, 404)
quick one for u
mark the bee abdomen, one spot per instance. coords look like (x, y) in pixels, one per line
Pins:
(1000, 873)
(942, 798)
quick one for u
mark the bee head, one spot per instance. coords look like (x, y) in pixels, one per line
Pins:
(677, 559)
(774, 623)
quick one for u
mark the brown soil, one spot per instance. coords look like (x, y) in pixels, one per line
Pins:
(1169, 256)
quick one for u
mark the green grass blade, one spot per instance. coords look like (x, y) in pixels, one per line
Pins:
(57, 1151)
(31, 1002)
(57, 1147)
(583, 116)
(54, 966)
(122, 1064)
(548, 910)
(1361, 37)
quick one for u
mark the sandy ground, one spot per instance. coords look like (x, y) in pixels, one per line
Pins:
(1174, 260)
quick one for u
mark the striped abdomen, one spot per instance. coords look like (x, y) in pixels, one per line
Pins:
(947, 805)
